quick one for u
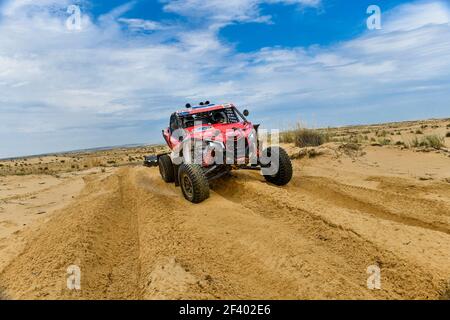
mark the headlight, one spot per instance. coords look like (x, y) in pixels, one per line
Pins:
(214, 143)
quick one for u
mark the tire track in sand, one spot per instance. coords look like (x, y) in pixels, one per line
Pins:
(97, 232)
(136, 237)
(359, 240)
(397, 207)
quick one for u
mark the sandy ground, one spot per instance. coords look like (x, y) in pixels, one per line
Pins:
(135, 237)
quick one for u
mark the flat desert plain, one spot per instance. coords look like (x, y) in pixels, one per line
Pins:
(373, 197)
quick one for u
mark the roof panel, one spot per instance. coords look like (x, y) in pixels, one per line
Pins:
(199, 109)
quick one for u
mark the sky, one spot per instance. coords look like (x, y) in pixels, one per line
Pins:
(117, 78)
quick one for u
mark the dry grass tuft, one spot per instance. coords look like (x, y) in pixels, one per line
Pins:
(430, 141)
(445, 294)
(303, 137)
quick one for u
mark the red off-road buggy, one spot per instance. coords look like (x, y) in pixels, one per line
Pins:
(207, 142)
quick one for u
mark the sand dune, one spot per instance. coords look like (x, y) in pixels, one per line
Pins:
(135, 237)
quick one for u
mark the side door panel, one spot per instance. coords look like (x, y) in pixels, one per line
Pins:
(166, 135)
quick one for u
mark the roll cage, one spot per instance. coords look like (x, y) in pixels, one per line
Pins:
(183, 120)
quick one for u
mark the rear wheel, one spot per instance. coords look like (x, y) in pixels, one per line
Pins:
(284, 173)
(193, 182)
(166, 168)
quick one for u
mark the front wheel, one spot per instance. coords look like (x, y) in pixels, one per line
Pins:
(284, 173)
(193, 182)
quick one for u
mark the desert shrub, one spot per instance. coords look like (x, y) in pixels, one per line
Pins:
(309, 138)
(95, 162)
(445, 293)
(419, 131)
(352, 139)
(384, 142)
(382, 133)
(448, 134)
(350, 146)
(399, 143)
(431, 141)
(414, 143)
(289, 136)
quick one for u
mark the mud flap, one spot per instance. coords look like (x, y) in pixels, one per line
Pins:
(175, 171)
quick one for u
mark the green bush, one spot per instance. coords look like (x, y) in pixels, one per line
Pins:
(384, 141)
(382, 133)
(414, 143)
(303, 137)
(309, 138)
(431, 141)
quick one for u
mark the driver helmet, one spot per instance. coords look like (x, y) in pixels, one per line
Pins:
(219, 117)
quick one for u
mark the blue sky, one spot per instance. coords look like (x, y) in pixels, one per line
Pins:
(333, 21)
(117, 79)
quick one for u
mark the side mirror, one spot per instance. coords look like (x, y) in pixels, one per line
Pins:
(246, 113)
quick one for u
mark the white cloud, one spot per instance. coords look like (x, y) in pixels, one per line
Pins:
(224, 12)
(140, 24)
(416, 15)
(102, 86)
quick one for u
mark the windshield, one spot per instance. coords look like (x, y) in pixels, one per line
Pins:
(222, 116)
